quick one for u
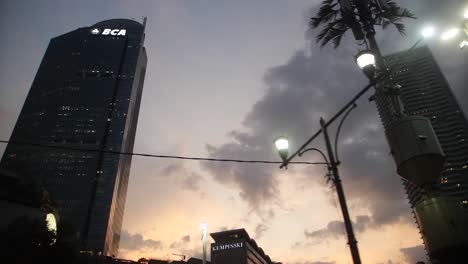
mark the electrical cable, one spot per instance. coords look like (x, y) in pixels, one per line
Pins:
(153, 155)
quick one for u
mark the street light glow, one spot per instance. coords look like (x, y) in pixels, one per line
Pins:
(465, 15)
(449, 34)
(463, 44)
(282, 143)
(203, 228)
(365, 59)
(51, 222)
(428, 32)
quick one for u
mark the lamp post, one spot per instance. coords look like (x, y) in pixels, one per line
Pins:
(203, 229)
(332, 163)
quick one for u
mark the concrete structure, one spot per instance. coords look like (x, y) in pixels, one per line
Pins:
(86, 95)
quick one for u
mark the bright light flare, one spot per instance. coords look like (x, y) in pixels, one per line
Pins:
(463, 44)
(365, 59)
(449, 34)
(428, 32)
(282, 143)
(51, 222)
(465, 15)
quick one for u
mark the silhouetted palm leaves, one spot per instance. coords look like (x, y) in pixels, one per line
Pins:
(335, 25)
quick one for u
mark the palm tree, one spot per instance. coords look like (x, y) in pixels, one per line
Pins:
(336, 19)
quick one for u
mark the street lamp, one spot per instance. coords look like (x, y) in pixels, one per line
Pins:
(282, 145)
(332, 163)
(428, 32)
(450, 34)
(365, 59)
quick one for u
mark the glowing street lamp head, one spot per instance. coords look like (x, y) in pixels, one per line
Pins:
(282, 145)
(428, 32)
(365, 59)
(449, 34)
(203, 228)
(465, 14)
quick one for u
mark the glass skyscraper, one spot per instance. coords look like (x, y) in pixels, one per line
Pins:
(86, 95)
(426, 92)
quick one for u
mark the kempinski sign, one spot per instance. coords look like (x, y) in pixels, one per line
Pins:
(227, 246)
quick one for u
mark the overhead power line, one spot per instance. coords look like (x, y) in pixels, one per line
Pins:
(152, 155)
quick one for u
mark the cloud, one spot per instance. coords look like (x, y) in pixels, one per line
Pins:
(414, 254)
(294, 96)
(260, 229)
(335, 229)
(172, 168)
(179, 244)
(298, 94)
(136, 242)
(187, 179)
(186, 239)
(192, 182)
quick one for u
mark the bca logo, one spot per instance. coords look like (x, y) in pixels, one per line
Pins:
(95, 31)
(114, 32)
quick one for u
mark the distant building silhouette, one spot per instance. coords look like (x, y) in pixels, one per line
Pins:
(236, 247)
(86, 95)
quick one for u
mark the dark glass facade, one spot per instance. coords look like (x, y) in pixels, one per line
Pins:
(86, 95)
(426, 92)
(236, 247)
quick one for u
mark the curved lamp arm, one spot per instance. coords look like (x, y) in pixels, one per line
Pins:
(354, 105)
(318, 150)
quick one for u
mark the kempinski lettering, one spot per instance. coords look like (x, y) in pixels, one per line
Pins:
(227, 246)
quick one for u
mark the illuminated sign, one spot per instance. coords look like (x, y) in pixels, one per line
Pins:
(108, 31)
(227, 246)
(114, 32)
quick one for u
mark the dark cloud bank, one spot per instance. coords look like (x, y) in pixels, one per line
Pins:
(137, 242)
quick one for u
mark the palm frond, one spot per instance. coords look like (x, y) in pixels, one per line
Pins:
(401, 28)
(326, 13)
(333, 31)
(393, 15)
(334, 26)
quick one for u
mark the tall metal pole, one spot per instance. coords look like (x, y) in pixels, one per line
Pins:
(204, 249)
(203, 229)
(341, 197)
